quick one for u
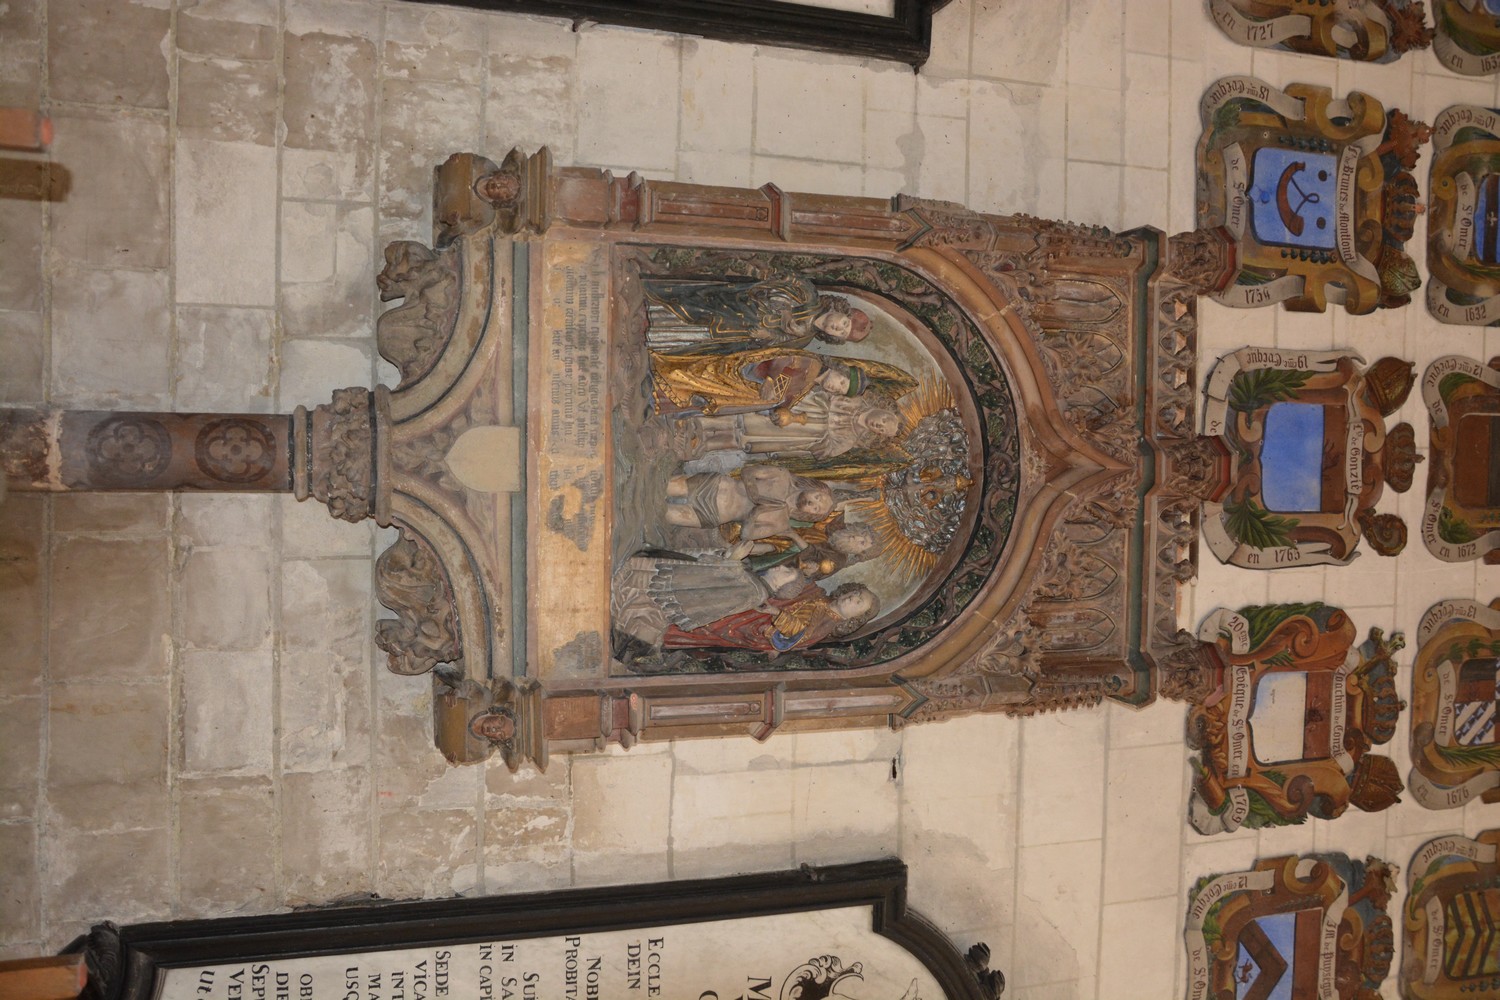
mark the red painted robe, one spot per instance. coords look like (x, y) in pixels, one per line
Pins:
(755, 629)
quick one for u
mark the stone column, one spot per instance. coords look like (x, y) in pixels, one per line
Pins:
(69, 450)
(327, 452)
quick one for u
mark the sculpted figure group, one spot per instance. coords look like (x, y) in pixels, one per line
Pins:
(769, 432)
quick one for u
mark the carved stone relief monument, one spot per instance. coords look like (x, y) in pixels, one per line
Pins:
(1289, 732)
(1317, 193)
(672, 460)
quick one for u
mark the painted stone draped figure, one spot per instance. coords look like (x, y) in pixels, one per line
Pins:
(714, 601)
(819, 426)
(744, 381)
(763, 501)
(718, 316)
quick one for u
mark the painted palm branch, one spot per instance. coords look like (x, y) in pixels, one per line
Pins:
(1264, 619)
(1251, 524)
(1263, 386)
(1453, 529)
(1471, 756)
(1450, 383)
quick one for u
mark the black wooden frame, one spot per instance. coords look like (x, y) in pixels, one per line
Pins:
(124, 963)
(905, 36)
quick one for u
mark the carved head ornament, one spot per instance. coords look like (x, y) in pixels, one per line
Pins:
(495, 725)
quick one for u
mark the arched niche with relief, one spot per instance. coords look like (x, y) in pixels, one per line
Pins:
(674, 460)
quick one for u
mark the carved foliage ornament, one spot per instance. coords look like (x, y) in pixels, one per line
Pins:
(412, 335)
(1202, 259)
(411, 581)
(343, 460)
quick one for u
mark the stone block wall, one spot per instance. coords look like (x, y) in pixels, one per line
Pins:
(192, 718)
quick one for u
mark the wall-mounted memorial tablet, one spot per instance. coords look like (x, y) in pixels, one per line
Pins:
(1290, 729)
(1451, 930)
(1468, 35)
(1298, 926)
(1309, 454)
(838, 931)
(1462, 518)
(1455, 698)
(1367, 30)
(899, 30)
(671, 460)
(1317, 193)
(1463, 221)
